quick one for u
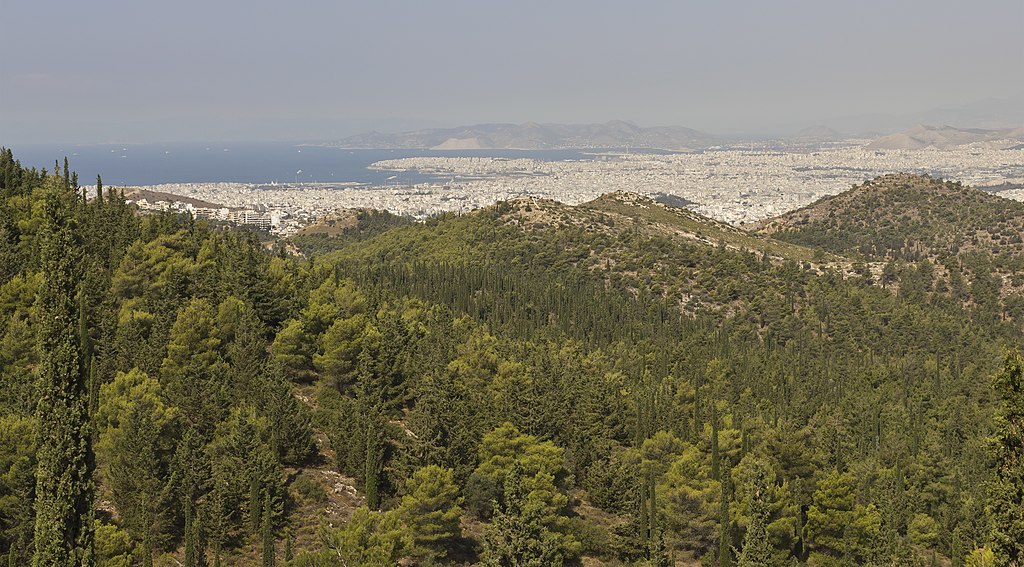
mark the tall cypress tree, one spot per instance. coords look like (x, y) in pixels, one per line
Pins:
(373, 464)
(725, 525)
(643, 515)
(191, 543)
(716, 464)
(63, 528)
(288, 555)
(269, 560)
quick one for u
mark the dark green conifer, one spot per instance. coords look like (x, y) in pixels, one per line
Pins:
(268, 534)
(757, 548)
(373, 465)
(657, 550)
(195, 555)
(517, 535)
(716, 471)
(725, 527)
(63, 526)
(255, 505)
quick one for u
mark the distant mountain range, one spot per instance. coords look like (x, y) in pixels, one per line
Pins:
(533, 136)
(818, 133)
(944, 137)
(620, 134)
(991, 113)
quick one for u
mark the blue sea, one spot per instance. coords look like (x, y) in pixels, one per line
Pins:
(152, 164)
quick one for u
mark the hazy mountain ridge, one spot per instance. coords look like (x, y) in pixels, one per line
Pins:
(945, 137)
(818, 133)
(620, 134)
(534, 136)
(990, 113)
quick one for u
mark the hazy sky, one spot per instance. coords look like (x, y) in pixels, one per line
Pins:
(179, 70)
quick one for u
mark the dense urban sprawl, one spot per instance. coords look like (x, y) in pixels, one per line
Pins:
(732, 185)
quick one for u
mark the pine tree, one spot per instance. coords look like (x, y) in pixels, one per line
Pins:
(517, 535)
(290, 350)
(653, 501)
(370, 539)
(1007, 492)
(290, 420)
(255, 505)
(831, 513)
(193, 373)
(191, 543)
(136, 445)
(643, 516)
(431, 509)
(981, 557)
(190, 468)
(63, 527)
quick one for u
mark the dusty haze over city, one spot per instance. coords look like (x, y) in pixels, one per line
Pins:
(121, 72)
(761, 107)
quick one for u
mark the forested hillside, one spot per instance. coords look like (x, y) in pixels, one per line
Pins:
(970, 242)
(909, 217)
(618, 383)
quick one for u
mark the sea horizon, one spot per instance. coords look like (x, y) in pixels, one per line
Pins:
(252, 162)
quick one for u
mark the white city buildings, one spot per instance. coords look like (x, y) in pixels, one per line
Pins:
(732, 185)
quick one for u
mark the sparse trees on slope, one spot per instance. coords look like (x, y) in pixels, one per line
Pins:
(369, 539)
